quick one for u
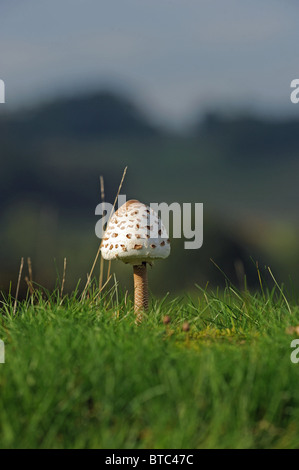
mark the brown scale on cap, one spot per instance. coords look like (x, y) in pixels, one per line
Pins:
(123, 210)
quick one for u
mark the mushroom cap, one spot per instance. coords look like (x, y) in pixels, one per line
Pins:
(135, 235)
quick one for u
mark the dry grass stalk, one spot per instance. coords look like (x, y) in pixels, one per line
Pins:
(29, 284)
(29, 280)
(18, 286)
(103, 287)
(63, 277)
(102, 259)
(99, 250)
(29, 269)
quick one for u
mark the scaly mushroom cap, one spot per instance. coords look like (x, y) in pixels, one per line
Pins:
(135, 235)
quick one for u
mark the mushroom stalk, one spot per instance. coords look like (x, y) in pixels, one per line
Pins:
(140, 290)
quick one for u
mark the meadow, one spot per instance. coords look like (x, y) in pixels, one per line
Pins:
(211, 371)
(207, 367)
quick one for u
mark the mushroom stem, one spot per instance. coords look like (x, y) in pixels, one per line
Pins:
(140, 290)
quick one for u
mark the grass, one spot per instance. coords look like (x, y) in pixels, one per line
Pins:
(81, 374)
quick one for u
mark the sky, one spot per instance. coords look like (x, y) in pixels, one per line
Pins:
(176, 58)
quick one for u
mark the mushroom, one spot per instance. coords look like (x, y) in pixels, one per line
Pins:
(136, 235)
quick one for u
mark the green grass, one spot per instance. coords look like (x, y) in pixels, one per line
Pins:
(83, 375)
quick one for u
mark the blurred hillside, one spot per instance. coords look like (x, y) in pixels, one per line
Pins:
(243, 168)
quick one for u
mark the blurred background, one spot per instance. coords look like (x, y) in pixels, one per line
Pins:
(193, 96)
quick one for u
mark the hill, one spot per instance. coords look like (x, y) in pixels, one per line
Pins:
(243, 169)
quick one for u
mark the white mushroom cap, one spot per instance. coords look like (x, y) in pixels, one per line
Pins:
(135, 234)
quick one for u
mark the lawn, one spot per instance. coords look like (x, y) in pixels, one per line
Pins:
(81, 374)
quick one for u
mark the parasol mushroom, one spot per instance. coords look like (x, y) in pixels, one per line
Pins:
(136, 235)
